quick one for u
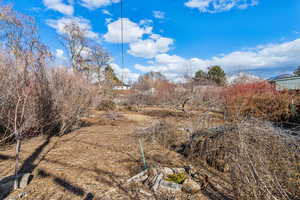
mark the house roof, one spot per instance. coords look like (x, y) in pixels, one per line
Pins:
(290, 83)
(285, 78)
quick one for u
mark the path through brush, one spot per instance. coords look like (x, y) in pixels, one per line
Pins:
(87, 162)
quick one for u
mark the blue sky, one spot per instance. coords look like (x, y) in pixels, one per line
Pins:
(176, 37)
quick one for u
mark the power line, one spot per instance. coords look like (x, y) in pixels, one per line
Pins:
(122, 34)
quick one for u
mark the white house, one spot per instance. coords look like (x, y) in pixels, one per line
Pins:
(121, 87)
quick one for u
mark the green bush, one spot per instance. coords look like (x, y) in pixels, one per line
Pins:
(178, 178)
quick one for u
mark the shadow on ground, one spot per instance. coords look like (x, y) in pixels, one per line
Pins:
(65, 184)
(28, 165)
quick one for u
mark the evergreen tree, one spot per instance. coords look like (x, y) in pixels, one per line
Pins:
(217, 74)
(111, 77)
(200, 74)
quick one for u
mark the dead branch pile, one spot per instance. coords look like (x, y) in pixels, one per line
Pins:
(262, 161)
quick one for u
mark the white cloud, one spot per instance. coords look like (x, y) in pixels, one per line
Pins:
(173, 66)
(132, 31)
(262, 57)
(106, 12)
(108, 20)
(142, 42)
(149, 48)
(267, 56)
(242, 78)
(158, 14)
(83, 24)
(59, 6)
(216, 6)
(124, 74)
(59, 53)
(94, 4)
(146, 22)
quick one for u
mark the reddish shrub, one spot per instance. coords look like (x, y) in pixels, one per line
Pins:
(259, 99)
(157, 92)
(163, 91)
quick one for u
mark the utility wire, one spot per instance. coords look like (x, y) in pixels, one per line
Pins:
(122, 34)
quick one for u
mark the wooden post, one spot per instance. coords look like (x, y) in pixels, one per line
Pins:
(142, 153)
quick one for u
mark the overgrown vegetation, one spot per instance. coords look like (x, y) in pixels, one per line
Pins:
(257, 159)
(34, 99)
(260, 160)
(259, 100)
(163, 132)
(106, 105)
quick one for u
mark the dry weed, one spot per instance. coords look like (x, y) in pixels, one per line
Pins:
(261, 159)
(162, 132)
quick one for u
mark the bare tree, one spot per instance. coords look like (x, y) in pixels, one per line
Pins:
(24, 69)
(17, 34)
(99, 59)
(86, 56)
(76, 44)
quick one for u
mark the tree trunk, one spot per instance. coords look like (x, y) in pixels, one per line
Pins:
(184, 103)
(18, 148)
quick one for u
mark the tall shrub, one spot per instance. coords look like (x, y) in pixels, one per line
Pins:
(259, 99)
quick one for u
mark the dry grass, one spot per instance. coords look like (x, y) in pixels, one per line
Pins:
(91, 160)
(161, 132)
(257, 160)
(163, 113)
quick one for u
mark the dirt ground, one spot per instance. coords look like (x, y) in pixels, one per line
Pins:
(88, 162)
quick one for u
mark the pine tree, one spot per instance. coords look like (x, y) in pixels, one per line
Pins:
(111, 77)
(217, 74)
(200, 74)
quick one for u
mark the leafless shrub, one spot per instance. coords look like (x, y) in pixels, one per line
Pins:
(31, 102)
(206, 97)
(32, 99)
(53, 102)
(161, 132)
(263, 162)
(72, 97)
(106, 105)
(266, 165)
(139, 99)
(180, 98)
(23, 77)
(23, 107)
